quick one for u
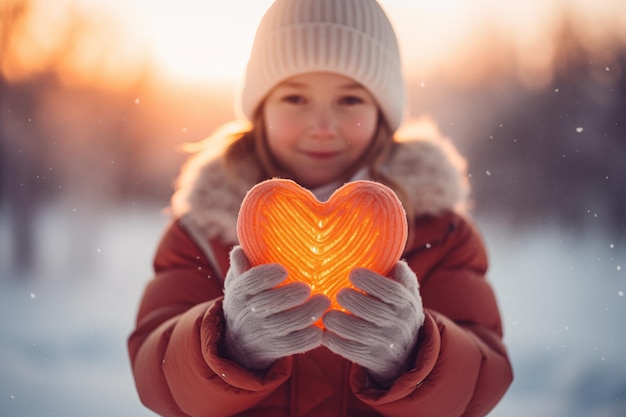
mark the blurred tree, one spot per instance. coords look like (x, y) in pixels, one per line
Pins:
(17, 191)
(61, 143)
(556, 155)
(616, 128)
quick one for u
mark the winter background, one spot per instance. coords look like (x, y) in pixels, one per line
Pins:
(92, 121)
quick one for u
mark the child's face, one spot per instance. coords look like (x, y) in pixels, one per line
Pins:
(318, 125)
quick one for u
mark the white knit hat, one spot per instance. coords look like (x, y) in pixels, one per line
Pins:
(353, 38)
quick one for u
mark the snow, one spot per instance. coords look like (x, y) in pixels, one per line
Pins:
(63, 349)
(559, 293)
(64, 327)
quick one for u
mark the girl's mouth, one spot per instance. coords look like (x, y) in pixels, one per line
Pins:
(320, 154)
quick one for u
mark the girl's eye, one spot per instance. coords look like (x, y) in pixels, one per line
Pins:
(294, 99)
(351, 100)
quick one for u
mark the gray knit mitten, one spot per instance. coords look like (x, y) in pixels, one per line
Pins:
(265, 322)
(380, 329)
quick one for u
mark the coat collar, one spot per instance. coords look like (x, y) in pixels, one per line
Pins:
(430, 170)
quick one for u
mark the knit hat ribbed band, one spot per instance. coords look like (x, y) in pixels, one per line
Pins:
(353, 38)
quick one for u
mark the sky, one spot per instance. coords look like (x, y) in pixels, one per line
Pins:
(209, 40)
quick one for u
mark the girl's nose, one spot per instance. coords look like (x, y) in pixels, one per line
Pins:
(323, 125)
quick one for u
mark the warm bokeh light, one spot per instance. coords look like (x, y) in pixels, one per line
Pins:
(112, 42)
(470, 41)
(199, 41)
(463, 41)
(78, 40)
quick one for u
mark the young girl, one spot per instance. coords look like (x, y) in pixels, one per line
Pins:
(216, 336)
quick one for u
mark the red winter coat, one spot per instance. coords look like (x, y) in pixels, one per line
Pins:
(461, 369)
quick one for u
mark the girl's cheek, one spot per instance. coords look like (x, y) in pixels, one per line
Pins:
(282, 129)
(362, 126)
(275, 118)
(285, 126)
(363, 117)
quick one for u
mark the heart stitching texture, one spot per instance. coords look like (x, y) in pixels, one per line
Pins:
(363, 224)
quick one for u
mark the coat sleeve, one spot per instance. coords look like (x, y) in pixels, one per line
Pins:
(462, 366)
(175, 346)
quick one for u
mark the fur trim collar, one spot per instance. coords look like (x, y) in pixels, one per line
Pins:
(431, 171)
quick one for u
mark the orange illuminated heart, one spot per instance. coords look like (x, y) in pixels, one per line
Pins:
(363, 224)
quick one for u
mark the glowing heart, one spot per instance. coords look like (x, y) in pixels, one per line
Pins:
(363, 224)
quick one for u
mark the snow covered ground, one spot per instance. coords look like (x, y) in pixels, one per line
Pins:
(63, 330)
(562, 298)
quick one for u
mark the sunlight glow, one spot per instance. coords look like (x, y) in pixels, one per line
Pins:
(429, 30)
(32, 45)
(198, 40)
(467, 41)
(67, 37)
(113, 42)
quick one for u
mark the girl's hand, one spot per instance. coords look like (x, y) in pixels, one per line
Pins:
(380, 329)
(264, 323)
